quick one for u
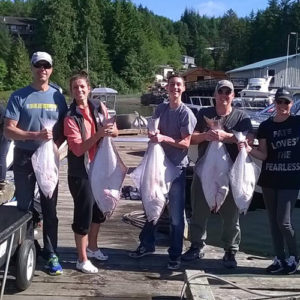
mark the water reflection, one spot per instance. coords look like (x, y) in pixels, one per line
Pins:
(128, 105)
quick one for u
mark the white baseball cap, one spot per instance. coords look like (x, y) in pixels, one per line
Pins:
(38, 56)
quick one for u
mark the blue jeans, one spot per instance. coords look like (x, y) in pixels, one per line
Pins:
(4, 146)
(25, 181)
(176, 215)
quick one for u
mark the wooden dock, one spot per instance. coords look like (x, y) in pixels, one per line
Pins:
(147, 278)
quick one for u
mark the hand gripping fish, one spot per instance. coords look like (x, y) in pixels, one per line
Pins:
(45, 162)
(213, 170)
(243, 177)
(106, 174)
(154, 176)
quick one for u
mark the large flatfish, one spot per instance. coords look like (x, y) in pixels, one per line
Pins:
(243, 177)
(45, 162)
(106, 174)
(153, 177)
(213, 170)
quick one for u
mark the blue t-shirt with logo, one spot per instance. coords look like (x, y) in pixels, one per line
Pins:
(30, 108)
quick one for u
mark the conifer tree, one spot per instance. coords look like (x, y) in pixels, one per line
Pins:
(90, 50)
(19, 74)
(57, 35)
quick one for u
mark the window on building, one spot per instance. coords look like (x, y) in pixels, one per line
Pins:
(271, 73)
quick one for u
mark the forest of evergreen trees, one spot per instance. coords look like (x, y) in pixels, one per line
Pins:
(126, 44)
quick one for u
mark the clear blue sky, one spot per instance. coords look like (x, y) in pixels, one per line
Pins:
(173, 9)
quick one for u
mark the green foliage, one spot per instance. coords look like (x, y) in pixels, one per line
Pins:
(124, 44)
(5, 42)
(3, 74)
(90, 49)
(19, 74)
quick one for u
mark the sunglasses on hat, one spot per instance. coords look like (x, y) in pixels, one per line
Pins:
(282, 101)
(44, 65)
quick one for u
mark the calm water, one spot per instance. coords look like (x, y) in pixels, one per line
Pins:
(130, 104)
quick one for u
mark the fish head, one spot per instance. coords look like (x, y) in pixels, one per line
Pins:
(153, 124)
(213, 124)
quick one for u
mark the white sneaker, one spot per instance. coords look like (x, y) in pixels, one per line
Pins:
(86, 267)
(98, 254)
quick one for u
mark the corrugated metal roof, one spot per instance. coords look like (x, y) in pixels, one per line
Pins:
(261, 64)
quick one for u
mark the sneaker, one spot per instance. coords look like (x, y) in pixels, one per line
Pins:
(53, 265)
(229, 260)
(86, 267)
(174, 264)
(98, 254)
(140, 252)
(193, 253)
(291, 265)
(276, 266)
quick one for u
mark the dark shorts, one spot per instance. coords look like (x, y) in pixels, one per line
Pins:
(86, 210)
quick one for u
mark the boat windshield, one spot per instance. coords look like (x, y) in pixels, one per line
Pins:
(108, 100)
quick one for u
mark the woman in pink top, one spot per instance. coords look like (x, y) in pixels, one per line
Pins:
(83, 128)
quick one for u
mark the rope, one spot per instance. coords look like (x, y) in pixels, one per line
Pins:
(199, 275)
(138, 219)
(135, 218)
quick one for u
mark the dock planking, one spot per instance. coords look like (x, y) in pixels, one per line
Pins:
(119, 278)
(122, 278)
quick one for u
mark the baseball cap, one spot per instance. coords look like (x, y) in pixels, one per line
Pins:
(224, 83)
(284, 93)
(37, 56)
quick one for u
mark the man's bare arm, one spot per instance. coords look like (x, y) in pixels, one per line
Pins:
(12, 132)
(183, 143)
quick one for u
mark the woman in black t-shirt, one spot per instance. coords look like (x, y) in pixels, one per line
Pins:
(279, 149)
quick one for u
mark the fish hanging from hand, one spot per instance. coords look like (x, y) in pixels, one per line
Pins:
(243, 177)
(213, 170)
(45, 163)
(107, 173)
(154, 176)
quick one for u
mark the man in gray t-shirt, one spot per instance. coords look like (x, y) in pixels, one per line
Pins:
(177, 123)
(231, 120)
(26, 110)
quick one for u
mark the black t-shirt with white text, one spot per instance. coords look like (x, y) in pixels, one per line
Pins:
(281, 169)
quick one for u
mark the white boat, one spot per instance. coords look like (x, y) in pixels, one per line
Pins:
(195, 103)
(258, 87)
(106, 95)
(256, 95)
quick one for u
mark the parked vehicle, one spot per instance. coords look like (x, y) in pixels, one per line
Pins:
(260, 116)
(14, 242)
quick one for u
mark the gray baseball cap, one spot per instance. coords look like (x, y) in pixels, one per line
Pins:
(224, 83)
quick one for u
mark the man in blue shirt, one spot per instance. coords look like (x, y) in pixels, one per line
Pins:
(26, 109)
(176, 125)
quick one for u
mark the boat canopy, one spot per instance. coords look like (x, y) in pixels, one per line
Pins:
(104, 91)
(106, 95)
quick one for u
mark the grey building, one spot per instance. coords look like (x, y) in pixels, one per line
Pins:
(187, 62)
(285, 71)
(19, 25)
